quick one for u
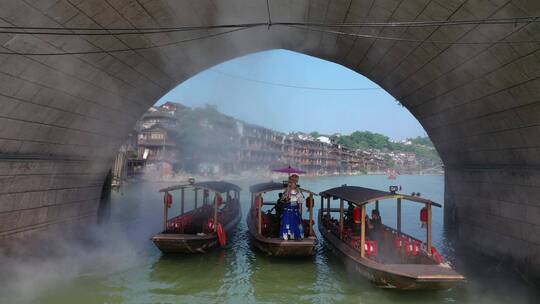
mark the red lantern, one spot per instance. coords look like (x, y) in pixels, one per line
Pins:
(222, 235)
(357, 215)
(371, 248)
(167, 199)
(400, 241)
(210, 224)
(424, 215)
(412, 247)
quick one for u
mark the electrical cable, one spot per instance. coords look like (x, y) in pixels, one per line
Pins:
(510, 20)
(115, 32)
(154, 30)
(124, 49)
(292, 86)
(410, 40)
(237, 27)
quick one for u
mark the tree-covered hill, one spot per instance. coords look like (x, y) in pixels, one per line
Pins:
(421, 146)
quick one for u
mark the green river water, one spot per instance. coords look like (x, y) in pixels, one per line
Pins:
(123, 266)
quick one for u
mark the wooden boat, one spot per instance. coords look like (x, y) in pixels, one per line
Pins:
(386, 256)
(202, 228)
(264, 225)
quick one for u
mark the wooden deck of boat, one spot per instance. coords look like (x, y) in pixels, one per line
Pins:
(177, 236)
(281, 248)
(291, 243)
(417, 271)
(423, 272)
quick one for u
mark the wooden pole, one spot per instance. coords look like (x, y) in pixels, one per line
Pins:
(259, 228)
(341, 218)
(399, 215)
(377, 205)
(196, 194)
(363, 231)
(182, 201)
(429, 237)
(215, 212)
(312, 200)
(328, 207)
(204, 197)
(165, 213)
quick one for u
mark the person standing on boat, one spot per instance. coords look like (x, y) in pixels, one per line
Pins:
(279, 206)
(291, 221)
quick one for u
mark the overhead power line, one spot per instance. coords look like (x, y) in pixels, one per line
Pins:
(74, 31)
(412, 40)
(293, 86)
(123, 49)
(491, 21)
(114, 31)
(84, 31)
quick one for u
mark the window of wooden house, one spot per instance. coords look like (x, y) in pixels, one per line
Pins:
(156, 136)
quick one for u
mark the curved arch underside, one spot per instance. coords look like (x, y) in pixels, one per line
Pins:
(63, 117)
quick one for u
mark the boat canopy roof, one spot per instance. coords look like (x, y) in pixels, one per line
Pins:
(273, 186)
(216, 186)
(362, 196)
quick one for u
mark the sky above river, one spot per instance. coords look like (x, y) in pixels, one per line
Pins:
(288, 91)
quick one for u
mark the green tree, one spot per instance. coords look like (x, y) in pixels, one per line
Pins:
(364, 140)
(315, 134)
(422, 147)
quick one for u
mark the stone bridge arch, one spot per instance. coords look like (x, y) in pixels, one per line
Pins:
(62, 117)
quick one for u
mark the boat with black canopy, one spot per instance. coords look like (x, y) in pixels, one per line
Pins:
(205, 226)
(386, 256)
(263, 224)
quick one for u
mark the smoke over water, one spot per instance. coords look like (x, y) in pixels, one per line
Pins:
(53, 260)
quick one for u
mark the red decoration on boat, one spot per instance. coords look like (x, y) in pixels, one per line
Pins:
(412, 247)
(371, 248)
(222, 236)
(178, 224)
(400, 241)
(436, 255)
(167, 199)
(218, 199)
(357, 215)
(210, 224)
